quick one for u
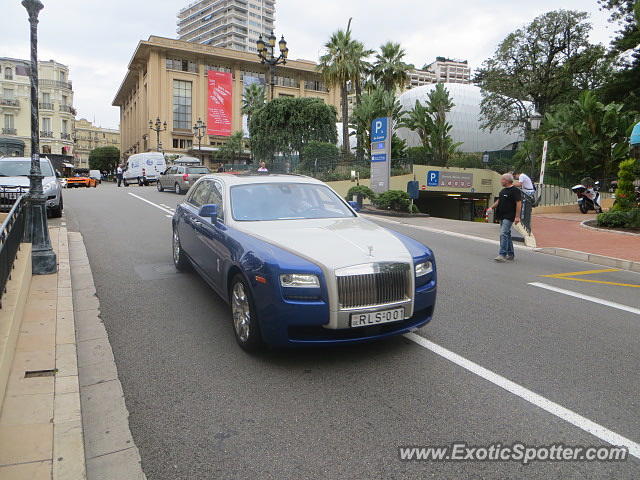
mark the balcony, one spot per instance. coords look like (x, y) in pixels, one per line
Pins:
(45, 106)
(9, 131)
(9, 102)
(65, 136)
(44, 134)
(68, 109)
(55, 83)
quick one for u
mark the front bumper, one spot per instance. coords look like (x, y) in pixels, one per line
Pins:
(291, 324)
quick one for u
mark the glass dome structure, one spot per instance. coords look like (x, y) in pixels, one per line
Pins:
(464, 118)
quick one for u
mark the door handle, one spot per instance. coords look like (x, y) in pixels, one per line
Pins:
(197, 223)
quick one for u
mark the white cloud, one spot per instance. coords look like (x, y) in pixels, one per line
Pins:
(97, 38)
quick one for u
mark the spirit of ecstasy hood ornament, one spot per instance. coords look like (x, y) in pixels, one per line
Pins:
(371, 250)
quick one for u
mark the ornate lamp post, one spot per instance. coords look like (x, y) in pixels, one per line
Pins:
(199, 130)
(535, 120)
(158, 127)
(43, 257)
(266, 54)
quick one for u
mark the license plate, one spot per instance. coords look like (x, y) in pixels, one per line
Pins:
(366, 319)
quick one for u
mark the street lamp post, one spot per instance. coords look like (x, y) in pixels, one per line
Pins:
(199, 132)
(535, 120)
(158, 127)
(267, 57)
(43, 257)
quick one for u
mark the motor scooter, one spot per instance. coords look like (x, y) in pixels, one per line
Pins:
(588, 197)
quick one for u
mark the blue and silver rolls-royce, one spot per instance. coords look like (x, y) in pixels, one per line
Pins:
(298, 265)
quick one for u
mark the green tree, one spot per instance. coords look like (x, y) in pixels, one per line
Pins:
(338, 69)
(418, 120)
(318, 154)
(104, 158)
(231, 151)
(389, 69)
(253, 99)
(589, 137)
(545, 63)
(286, 125)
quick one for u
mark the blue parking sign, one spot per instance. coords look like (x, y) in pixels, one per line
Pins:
(433, 178)
(379, 129)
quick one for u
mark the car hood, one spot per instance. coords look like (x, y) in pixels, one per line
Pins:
(21, 181)
(331, 243)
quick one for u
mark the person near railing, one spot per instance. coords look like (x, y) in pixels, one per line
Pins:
(524, 183)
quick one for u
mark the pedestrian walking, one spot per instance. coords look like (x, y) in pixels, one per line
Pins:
(508, 208)
(528, 189)
(119, 175)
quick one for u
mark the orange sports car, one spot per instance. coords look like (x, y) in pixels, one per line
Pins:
(82, 181)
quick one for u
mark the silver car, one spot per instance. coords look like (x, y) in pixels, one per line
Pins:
(14, 179)
(179, 178)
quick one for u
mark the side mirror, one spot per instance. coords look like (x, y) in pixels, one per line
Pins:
(355, 206)
(209, 211)
(58, 174)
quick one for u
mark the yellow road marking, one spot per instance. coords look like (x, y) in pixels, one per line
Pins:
(572, 275)
(585, 272)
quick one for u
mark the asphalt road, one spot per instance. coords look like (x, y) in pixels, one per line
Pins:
(200, 408)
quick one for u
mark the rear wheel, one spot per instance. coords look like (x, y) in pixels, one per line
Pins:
(56, 212)
(245, 322)
(159, 186)
(180, 260)
(584, 208)
(178, 189)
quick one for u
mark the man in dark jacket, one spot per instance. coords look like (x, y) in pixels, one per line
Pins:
(507, 208)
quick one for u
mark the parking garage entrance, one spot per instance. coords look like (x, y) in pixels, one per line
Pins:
(454, 205)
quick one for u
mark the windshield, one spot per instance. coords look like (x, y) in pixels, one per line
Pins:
(286, 201)
(20, 168)
(198, 170)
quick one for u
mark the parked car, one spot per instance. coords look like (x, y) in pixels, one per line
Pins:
(14, 175)
(96, 174)
(180, 178)
(298, 265)
(144, 168)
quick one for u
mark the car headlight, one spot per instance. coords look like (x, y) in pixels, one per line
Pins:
(299, 280)
(423, 269)
(47, 186)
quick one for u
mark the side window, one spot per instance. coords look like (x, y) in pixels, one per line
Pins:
(198, 195)
(215, 197)
(179, 170)
(172, 170)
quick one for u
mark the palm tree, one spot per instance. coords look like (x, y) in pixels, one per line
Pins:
(337, 68)
(418, 120)
(362, 68)
(389, 69)
(253, 99)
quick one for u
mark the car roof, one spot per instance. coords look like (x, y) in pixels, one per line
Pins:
(20, 159)
(249, 178)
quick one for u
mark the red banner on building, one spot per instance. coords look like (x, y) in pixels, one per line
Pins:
(220, 105)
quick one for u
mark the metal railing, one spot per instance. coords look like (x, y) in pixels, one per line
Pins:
(46, 134)
(68, 109)
(11, 234)
(55, 83)
(9, 102)
(45, 105)
(65, 136)
(9, 131)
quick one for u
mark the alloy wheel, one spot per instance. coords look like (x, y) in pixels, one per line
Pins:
(241, 312)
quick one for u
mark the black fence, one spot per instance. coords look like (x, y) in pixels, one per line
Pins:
(334, 169)
(11, 233)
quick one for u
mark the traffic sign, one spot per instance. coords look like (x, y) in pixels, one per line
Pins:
(379, 157)
(433, 178)
(379, 129)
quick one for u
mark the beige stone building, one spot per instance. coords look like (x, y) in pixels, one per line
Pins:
(167, 76)
(87, 137)
(57, 114)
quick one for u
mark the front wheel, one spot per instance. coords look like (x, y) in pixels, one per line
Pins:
(178, 189)
(245, 322)
(583, 207)
(180, 259)
(159, 186)
(56, 212)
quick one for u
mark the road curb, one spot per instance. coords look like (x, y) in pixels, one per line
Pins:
(110, 450)
(591, 258)
(606, 230)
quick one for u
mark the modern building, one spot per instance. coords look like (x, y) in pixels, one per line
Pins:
(465, 119)
(57, 114)
(443, 70)
(234, 24)
(87, 137)
(171, 80)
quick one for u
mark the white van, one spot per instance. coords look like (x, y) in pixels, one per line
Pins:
(96, 174)
(144, 168)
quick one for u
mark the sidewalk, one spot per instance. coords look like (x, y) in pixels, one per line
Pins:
(563, 230)
(40, 424)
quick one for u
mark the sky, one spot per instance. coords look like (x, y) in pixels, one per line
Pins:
(96, 38)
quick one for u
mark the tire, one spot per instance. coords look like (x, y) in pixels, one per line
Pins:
(159, 186)
(177, 189)
(140, 184)
(180, 259)
(243, 317)
(56, 212)
(124, 182)
(583, 207)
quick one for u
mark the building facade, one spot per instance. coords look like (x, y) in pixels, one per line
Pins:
(168, 79)
(87, 137)
(234, 24)
(443, 70)
(57, 114)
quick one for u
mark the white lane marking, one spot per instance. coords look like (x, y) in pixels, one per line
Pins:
(588, 298)
(443, 232)
(539, 401)
(150, 203)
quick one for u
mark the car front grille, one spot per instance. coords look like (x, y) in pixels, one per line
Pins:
(383, 284)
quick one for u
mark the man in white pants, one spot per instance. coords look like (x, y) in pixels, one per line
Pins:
(524, 183)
